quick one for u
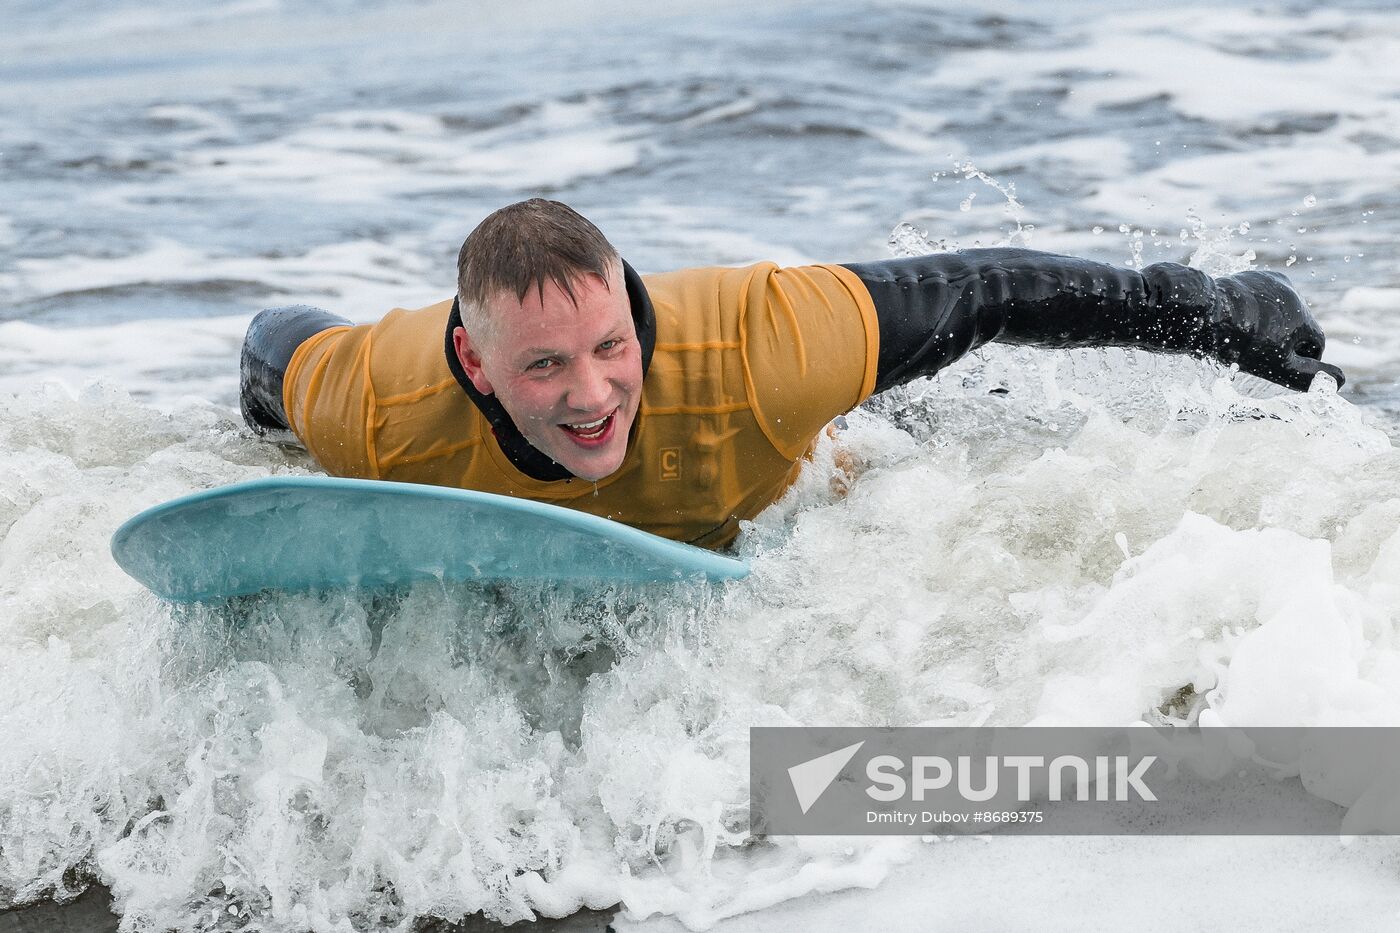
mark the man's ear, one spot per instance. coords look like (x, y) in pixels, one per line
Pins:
(470, 359)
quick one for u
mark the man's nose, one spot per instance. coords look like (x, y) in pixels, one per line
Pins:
(589, 389)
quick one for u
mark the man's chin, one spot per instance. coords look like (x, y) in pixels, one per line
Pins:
(591, 471)
(599, 464)
(589, 477)
(591, 465)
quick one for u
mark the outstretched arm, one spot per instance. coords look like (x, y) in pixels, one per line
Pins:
(273, 336)
(934, 309)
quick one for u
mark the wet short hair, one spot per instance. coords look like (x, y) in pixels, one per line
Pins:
(523, 246)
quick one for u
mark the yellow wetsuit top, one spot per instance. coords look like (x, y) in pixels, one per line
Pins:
(749, 366)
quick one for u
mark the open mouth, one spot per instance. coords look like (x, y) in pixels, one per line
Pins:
(595, 431)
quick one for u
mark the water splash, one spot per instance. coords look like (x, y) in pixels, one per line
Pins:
(1214, 254)
(1012, 208)
(908, 240)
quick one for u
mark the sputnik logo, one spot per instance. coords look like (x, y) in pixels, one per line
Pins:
(811, 778)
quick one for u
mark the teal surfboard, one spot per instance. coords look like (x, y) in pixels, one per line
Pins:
(298, 533)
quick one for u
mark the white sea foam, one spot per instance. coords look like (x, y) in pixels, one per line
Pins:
(70, 357)
(1153, 885)
(127, 23)
(1094, 157)
(1189, 55)
(1185, 58)
(675, 229)
(1203, 182)
(363, 278)
(359, 156)
(312, 760)
(195, 124)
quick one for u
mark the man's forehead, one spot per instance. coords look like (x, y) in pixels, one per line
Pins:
(553, 314)
(549, 294)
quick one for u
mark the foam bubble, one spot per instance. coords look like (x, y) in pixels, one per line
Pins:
(365, 156)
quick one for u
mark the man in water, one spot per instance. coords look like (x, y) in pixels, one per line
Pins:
(684, 402)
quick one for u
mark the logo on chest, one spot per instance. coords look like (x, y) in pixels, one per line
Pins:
(670, 462)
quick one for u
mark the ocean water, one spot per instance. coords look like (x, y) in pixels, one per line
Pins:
(1115, 537)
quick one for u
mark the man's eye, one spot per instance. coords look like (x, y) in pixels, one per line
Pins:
(541, 364)
(609, 344)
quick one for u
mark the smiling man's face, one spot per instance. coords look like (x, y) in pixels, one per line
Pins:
(567, 371)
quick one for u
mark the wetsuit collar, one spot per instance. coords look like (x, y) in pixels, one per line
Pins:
(523, 456)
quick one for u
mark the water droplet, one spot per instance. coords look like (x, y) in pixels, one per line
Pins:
(1097, 229)
(1310, 201)
(1291, 260)
(966, 204)
(1121, 540)
(1124, 228)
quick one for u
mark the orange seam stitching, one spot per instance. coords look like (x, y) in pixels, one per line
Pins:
(313, 389)
(417, 394)
(707, 345)
(758, 413)
(391, 462)
(293, 366)
(870, 322)
(725, 408)
(371, 411)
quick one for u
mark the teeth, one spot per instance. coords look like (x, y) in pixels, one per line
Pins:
(590, 425)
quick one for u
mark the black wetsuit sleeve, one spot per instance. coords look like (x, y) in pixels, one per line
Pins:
(273, 336)
(932, 310)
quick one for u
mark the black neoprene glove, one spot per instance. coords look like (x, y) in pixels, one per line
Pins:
(934, 309)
